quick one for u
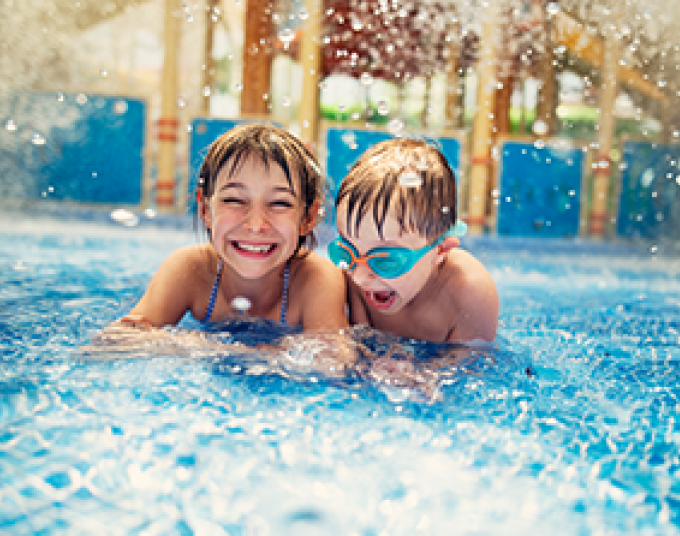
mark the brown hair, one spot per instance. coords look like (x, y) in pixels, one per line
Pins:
(268, 144)
(426, 205)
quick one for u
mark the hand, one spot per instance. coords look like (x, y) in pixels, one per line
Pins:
(136, 321)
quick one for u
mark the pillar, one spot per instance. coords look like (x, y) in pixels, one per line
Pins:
(168, 123)
(598, 216)
(208, 62)
(482, 129)
(257, 58)
(310, 58)
(547, 93)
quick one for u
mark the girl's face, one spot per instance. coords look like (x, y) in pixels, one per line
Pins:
(255, 218)
(388, 296)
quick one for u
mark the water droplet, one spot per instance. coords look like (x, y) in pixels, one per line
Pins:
(366, 79)
(383, 108)
(10, 125)
(343, 265)
(349, 138)
(411, 179)
(37, 139)
(94, 174)
(395, 126)
(50, 189)
(238, 86)
(285, 101)
(286, 36)
(241, 304)
(104, 73)
(124, 217)
(207, 91)
(653, 249)
(540, 127)
(120, 107)
(81, 98)
(181, 102)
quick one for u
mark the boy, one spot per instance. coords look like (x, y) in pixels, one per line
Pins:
(396, 216)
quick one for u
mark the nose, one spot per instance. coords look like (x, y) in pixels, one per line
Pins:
(362, 274)
(256, 220)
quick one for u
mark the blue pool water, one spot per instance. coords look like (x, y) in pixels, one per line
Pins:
(568, 424)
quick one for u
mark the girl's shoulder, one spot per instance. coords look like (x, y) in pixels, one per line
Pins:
(309, 265)
(193, 261)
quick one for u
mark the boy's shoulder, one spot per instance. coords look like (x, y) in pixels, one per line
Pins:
(468, 287)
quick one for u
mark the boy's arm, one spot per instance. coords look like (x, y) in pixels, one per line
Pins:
(477, 306)
(169, 294)
(323, 296)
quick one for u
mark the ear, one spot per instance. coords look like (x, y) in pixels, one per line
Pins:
(204, 209)
(309, 220)
(443, 249)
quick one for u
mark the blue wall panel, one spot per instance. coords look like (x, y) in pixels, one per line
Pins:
(650, 191)
(540, 190)
(72, 147)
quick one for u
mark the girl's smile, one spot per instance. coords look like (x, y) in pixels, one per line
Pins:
(255, 217)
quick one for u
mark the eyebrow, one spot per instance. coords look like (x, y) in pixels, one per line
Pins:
(242, 186)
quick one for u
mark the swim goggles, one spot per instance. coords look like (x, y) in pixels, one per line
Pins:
(388, 262)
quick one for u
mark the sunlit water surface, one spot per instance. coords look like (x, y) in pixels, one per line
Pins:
(566, 425)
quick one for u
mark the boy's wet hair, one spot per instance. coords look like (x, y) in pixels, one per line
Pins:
(268, 144)
(405, 173)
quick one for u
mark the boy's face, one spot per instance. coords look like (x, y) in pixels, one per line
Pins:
(388, 296)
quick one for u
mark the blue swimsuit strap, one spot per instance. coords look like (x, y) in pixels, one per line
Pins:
(213, 294)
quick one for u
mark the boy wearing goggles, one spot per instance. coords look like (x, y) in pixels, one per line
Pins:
(396, 219)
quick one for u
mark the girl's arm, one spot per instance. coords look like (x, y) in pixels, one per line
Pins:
(171, 291)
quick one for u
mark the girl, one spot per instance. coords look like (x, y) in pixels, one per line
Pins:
(259, 194)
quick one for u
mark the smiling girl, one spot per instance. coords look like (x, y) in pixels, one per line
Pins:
(259, 194)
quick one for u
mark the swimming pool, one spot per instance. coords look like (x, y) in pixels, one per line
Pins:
(567, 424)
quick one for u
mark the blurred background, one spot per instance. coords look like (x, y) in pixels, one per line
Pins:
(560, 118)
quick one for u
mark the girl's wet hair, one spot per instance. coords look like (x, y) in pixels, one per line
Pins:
(385, 177)
(268, 144)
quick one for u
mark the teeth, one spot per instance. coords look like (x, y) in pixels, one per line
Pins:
(251, 247)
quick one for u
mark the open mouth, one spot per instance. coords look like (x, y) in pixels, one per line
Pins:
(381, 299)
(254, 249)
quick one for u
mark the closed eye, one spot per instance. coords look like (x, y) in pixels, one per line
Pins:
(232, 201)
(282, 203)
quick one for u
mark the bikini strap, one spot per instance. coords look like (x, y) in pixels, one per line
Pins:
(213, 294)
(284, 297)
